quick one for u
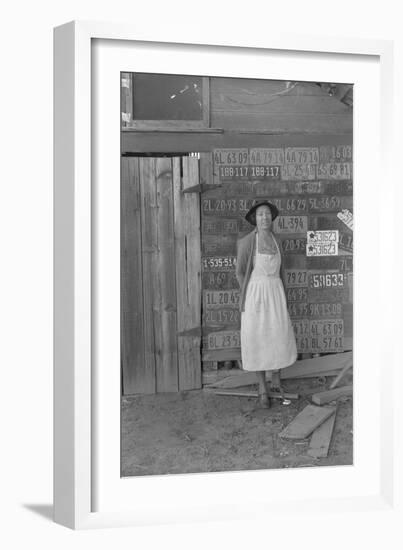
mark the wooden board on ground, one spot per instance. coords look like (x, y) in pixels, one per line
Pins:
(324, 397)
(274, 395)
(321, 437)
(306, 422)
(318, 365)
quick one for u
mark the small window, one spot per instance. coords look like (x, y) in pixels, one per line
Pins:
(162, 100)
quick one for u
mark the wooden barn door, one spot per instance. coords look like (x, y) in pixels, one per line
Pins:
(160, 275)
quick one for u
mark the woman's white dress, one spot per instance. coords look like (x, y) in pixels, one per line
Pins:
(267, 335)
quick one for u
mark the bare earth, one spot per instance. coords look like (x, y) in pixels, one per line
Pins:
(197, 431)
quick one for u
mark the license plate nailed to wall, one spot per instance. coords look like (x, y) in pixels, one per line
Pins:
(224, 339)
(322, 243)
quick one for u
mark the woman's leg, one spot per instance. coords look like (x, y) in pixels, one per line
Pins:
(263, 398)
(262, 381)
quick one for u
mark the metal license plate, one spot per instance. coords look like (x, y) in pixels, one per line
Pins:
(315, 237)
(335, 170)
(219, 263)
(347, 218)
(290, 224)
(264, 172)
(219, 205)
(303, 344)
(322, 249)
(346, 241)
(222, 317)
(297, 294)
(301, 327)
(326, 279)
(329, 203)
(321, 295)
(324, 344)
(296, 278)
(224, 339)
(233, 172)
(266, 157)
(293, 246)
(220, 298)
(219, 245)
(338, 153)
(229, 157)
(298, 172)
(298, 309)
(287, 205)
(326, 327)
(325, 310)
(219, 280)
(302, 155)
(218, 227)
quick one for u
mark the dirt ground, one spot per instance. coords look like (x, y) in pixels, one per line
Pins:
(197, 431)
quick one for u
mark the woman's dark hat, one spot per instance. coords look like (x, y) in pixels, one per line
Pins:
(251, 214)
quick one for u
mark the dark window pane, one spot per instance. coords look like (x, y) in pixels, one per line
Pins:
(167, 97)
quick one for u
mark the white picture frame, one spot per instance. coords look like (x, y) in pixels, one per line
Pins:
(81, 425)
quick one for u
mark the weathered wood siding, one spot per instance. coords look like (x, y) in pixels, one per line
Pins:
(160, 275)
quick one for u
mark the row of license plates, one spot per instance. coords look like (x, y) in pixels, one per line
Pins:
(324, 337)
(288, 172)
(273, 156)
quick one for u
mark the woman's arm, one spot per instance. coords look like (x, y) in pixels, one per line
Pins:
(241, 262)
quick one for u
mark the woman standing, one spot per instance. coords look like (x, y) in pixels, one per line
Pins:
(267, 336)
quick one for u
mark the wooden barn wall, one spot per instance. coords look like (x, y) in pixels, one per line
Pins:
(313, 190)
(277, 106)
(292, 143)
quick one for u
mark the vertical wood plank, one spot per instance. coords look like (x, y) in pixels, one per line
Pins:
(188, 272)
(135, 379)
(149, 261)
(166, 351)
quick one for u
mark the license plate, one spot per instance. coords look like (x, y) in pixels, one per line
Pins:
(216, 227)
(325, 310)
(291, 224)
(294, 205)
(302, 155)
(298, 172)
(325, 279)
(335, 170)
(266, 157)
(220, 298)
(336, 153)
(293, 246)
(218, 206)
(301, 327)
(222, 317)
(264, 172)
(296, 278)
(298, 309)
(315, 237)
(233, 172)
(323, 344)
(224, 339)
(326, 327)
(219, 263)
(229, 157)
(329, 203)
(297, 294)
(219, 280)
(322, 249)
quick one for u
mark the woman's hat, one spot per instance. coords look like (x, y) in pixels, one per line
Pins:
(251, 214)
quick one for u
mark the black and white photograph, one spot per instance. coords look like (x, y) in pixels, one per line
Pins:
(236, 274)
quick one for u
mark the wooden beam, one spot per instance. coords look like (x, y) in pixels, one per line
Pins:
(340, 376)
(321, 437)
(324, 397)
(306, 422)
(273, 395)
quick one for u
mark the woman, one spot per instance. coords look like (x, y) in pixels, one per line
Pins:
(267, 336)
